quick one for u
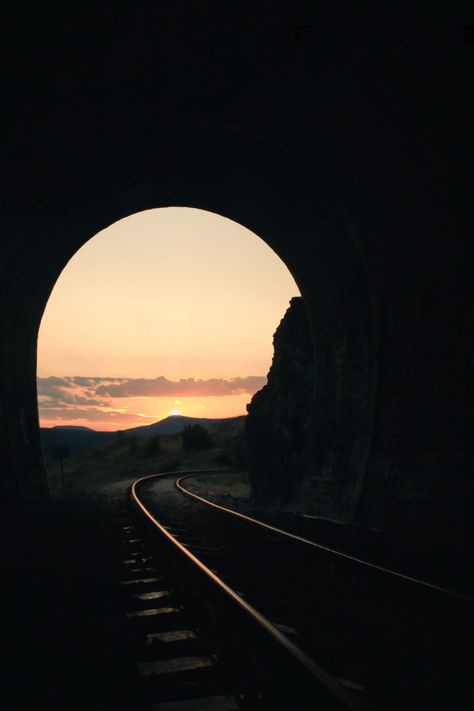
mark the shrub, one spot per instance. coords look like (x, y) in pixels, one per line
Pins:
(195, 437)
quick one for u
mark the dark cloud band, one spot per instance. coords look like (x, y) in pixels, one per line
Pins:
(79, 390)
(92, 399)
(186, 387)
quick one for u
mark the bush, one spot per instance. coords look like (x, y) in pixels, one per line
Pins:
(195, 437)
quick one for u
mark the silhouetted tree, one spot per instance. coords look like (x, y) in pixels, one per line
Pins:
(196, 437)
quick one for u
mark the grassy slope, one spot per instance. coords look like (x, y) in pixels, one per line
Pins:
(225, 489)
(134, 457)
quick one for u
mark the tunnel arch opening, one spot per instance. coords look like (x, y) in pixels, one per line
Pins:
(169, 312)
(327, 383)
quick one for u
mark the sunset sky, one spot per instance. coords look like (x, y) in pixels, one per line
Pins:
(169, 311)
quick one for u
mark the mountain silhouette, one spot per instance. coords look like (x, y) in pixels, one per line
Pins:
(174, 424)
(82, 439)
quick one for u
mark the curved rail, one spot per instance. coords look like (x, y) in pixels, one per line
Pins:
(304, 670)
(307, 541)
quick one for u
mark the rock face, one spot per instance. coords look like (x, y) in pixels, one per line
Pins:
(303, 444)
(279, 421)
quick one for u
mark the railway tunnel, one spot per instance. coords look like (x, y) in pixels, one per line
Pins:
(386, 292)
(338, 292)
(347, 151)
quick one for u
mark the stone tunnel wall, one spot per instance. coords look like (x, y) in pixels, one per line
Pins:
(420, 469)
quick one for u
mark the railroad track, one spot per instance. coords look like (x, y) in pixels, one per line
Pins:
(290, 624)
(249, 662)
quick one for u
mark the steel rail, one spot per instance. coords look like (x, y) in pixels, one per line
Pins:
(290, 652)
(307, 541)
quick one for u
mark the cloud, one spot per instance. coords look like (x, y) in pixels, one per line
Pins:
(79, 399)
(52, 402)
(80, 390)
(51, 385)
(186, 387)
(91, 415)
(54, 392)
(73, 398)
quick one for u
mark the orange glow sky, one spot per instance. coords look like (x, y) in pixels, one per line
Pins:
(169, 311)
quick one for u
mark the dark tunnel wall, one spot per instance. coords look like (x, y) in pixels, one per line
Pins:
(347, 153)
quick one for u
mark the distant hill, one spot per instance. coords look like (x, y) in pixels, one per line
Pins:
(73, 427)
(176, 423)
(82, 439)
(78, 439)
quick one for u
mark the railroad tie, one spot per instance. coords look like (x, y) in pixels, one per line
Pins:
(170, 636)
(152, 612)
(177, 665)
(153, 595)
(140, 581)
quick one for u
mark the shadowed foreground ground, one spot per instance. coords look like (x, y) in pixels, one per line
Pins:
(63, 633)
